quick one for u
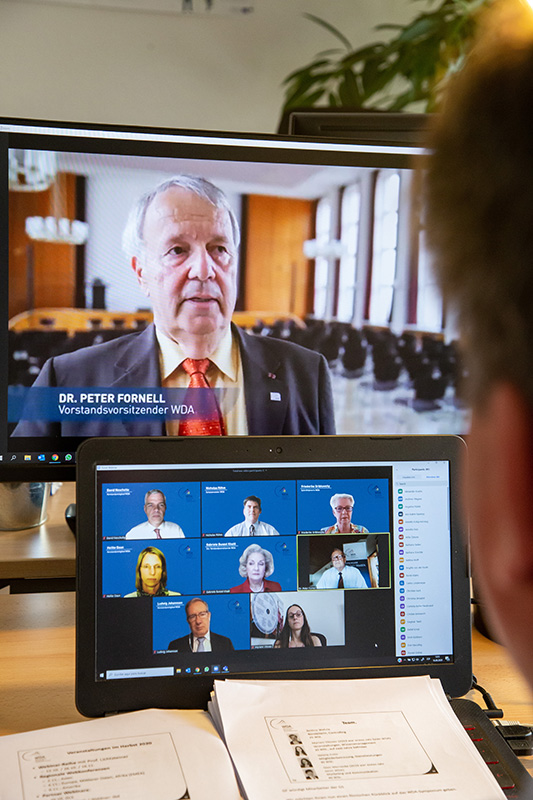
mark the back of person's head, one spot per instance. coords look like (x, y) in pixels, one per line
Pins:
(480, 202)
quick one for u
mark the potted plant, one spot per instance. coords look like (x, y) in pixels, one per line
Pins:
(410, 69)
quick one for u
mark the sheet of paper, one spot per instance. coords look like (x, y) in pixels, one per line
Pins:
(325, 740)
(145, 754)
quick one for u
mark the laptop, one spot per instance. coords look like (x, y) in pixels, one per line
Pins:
(266, 557)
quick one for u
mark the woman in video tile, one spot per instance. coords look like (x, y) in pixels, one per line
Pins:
(296, 631)
(255, 564)
(151, 575)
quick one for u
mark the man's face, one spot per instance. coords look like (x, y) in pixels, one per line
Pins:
(151, 569)
(251, 511)
(155, 509)
(198, 618)
(338, 559)
(343, 511)
(188, 269)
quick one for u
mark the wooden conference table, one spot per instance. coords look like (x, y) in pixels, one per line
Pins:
(41, 558)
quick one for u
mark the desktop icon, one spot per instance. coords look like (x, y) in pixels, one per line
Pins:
(68, 457)
(55, 457)
(27, 457)
(41, 457)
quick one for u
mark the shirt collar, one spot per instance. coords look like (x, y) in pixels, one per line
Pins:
(225, 357)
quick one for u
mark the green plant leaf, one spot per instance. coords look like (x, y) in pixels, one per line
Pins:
(331, 28)
(306, 71)
(412, 66)
(420, 28)
(349, 94)
(294, 94)
(305, 101)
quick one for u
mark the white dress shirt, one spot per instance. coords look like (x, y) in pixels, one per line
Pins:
(351, 577)
(167, 530)
(260, 529)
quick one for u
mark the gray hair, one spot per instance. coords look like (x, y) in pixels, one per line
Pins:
(255, 548)
(195, 600)
(336, 497)
(132, 237)
(154, 491)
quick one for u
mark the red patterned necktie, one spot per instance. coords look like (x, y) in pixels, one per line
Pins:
(157, 533)
(208, 421)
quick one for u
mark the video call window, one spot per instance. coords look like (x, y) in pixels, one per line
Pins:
(243, 565)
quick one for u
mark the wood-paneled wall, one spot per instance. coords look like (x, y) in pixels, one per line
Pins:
(41, 274)
(277, 274)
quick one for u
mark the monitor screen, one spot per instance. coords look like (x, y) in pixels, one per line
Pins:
(332, 259)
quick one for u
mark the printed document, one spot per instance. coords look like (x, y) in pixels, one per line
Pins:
(166, 755)
(326, 740)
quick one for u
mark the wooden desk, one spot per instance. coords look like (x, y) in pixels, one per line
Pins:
(37, 661)
(37, 666)
(41, 558)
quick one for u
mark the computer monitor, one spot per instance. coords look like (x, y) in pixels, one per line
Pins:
(332, 257)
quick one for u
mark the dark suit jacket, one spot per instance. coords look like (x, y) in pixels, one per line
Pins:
(218, 643)
(288, 389)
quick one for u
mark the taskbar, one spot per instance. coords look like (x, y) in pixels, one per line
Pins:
(46, 457)
(224, 669)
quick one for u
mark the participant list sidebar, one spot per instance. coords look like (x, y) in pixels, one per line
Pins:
(422, 561)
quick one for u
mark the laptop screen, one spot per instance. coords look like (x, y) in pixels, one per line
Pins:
(288, 564)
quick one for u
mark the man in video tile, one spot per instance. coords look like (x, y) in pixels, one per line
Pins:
(182, 238)
(201, 639)
(341, 575)
(252, 525)
(156, 526)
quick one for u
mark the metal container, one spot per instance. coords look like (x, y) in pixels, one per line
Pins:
(22, 505)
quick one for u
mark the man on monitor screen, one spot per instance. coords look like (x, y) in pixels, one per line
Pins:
(182, 239)
(201, 639)
(340, 575)
(252, 525)
(155, 526)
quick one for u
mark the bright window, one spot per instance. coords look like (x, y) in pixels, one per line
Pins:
(350, 217)
(384, 247)
(322, 236)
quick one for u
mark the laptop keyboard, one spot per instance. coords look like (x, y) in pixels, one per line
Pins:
(512, 776)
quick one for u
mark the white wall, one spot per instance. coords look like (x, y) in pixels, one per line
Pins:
(128, 67)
